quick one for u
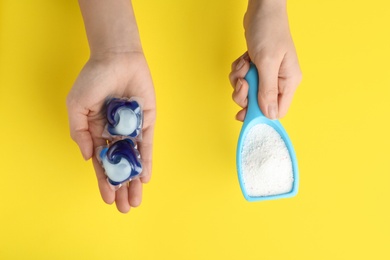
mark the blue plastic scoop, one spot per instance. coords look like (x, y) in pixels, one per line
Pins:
(253, 117)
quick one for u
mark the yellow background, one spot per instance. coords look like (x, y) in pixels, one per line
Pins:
(193, 208)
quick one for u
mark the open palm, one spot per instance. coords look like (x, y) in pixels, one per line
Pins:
(118, 75)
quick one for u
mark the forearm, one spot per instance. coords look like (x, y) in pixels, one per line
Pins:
(262, 9)
(266, 24)
(110, 26)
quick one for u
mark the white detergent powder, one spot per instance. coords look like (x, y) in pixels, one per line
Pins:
(266, 164)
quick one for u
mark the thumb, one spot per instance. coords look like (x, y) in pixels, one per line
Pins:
(79, 130)
(268, 88)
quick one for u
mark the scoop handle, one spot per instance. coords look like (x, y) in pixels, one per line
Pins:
(253, 110)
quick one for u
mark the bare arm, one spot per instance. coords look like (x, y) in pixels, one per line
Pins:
(116, 67)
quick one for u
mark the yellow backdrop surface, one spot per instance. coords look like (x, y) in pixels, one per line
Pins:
(50, 207)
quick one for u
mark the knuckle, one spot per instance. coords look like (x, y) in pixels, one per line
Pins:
(231, 78)
(269, 93)
(73, 135)
(293, 83)
(239, 99)
(235, 98)
(233, 66)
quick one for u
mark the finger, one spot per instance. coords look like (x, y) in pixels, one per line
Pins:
(121, 199)
(285, 98)
(244, 56)
(289, 79)
(268, 87)
(287, 88)
(78, 124)
(240, 93)
(107, 193)
(240, 116)
(239, 70)
(135, 193)
(146, 152)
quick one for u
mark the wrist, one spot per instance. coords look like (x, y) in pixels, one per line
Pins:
(264, 10)
(114, 51)
(265, 4)
(115, 39)
(111, 27)
(115, 56)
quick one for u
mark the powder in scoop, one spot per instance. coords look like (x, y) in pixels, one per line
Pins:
(266, 163)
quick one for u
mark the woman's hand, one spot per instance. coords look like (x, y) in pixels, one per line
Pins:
(271, 49)
(118, 75)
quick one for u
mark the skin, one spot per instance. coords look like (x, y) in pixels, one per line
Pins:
(116, 67)
(271, 49)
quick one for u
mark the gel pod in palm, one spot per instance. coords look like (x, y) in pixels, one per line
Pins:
(124, 118)
(121, 162)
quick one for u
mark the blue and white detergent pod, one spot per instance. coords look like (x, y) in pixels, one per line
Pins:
(124, 118)
(120, 158)
(121, 162)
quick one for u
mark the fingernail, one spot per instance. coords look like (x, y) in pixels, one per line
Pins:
(238, 85)
(272, 111)
(240, 64)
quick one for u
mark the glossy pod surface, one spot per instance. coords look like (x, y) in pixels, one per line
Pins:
(124, 117)
(121, 162)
